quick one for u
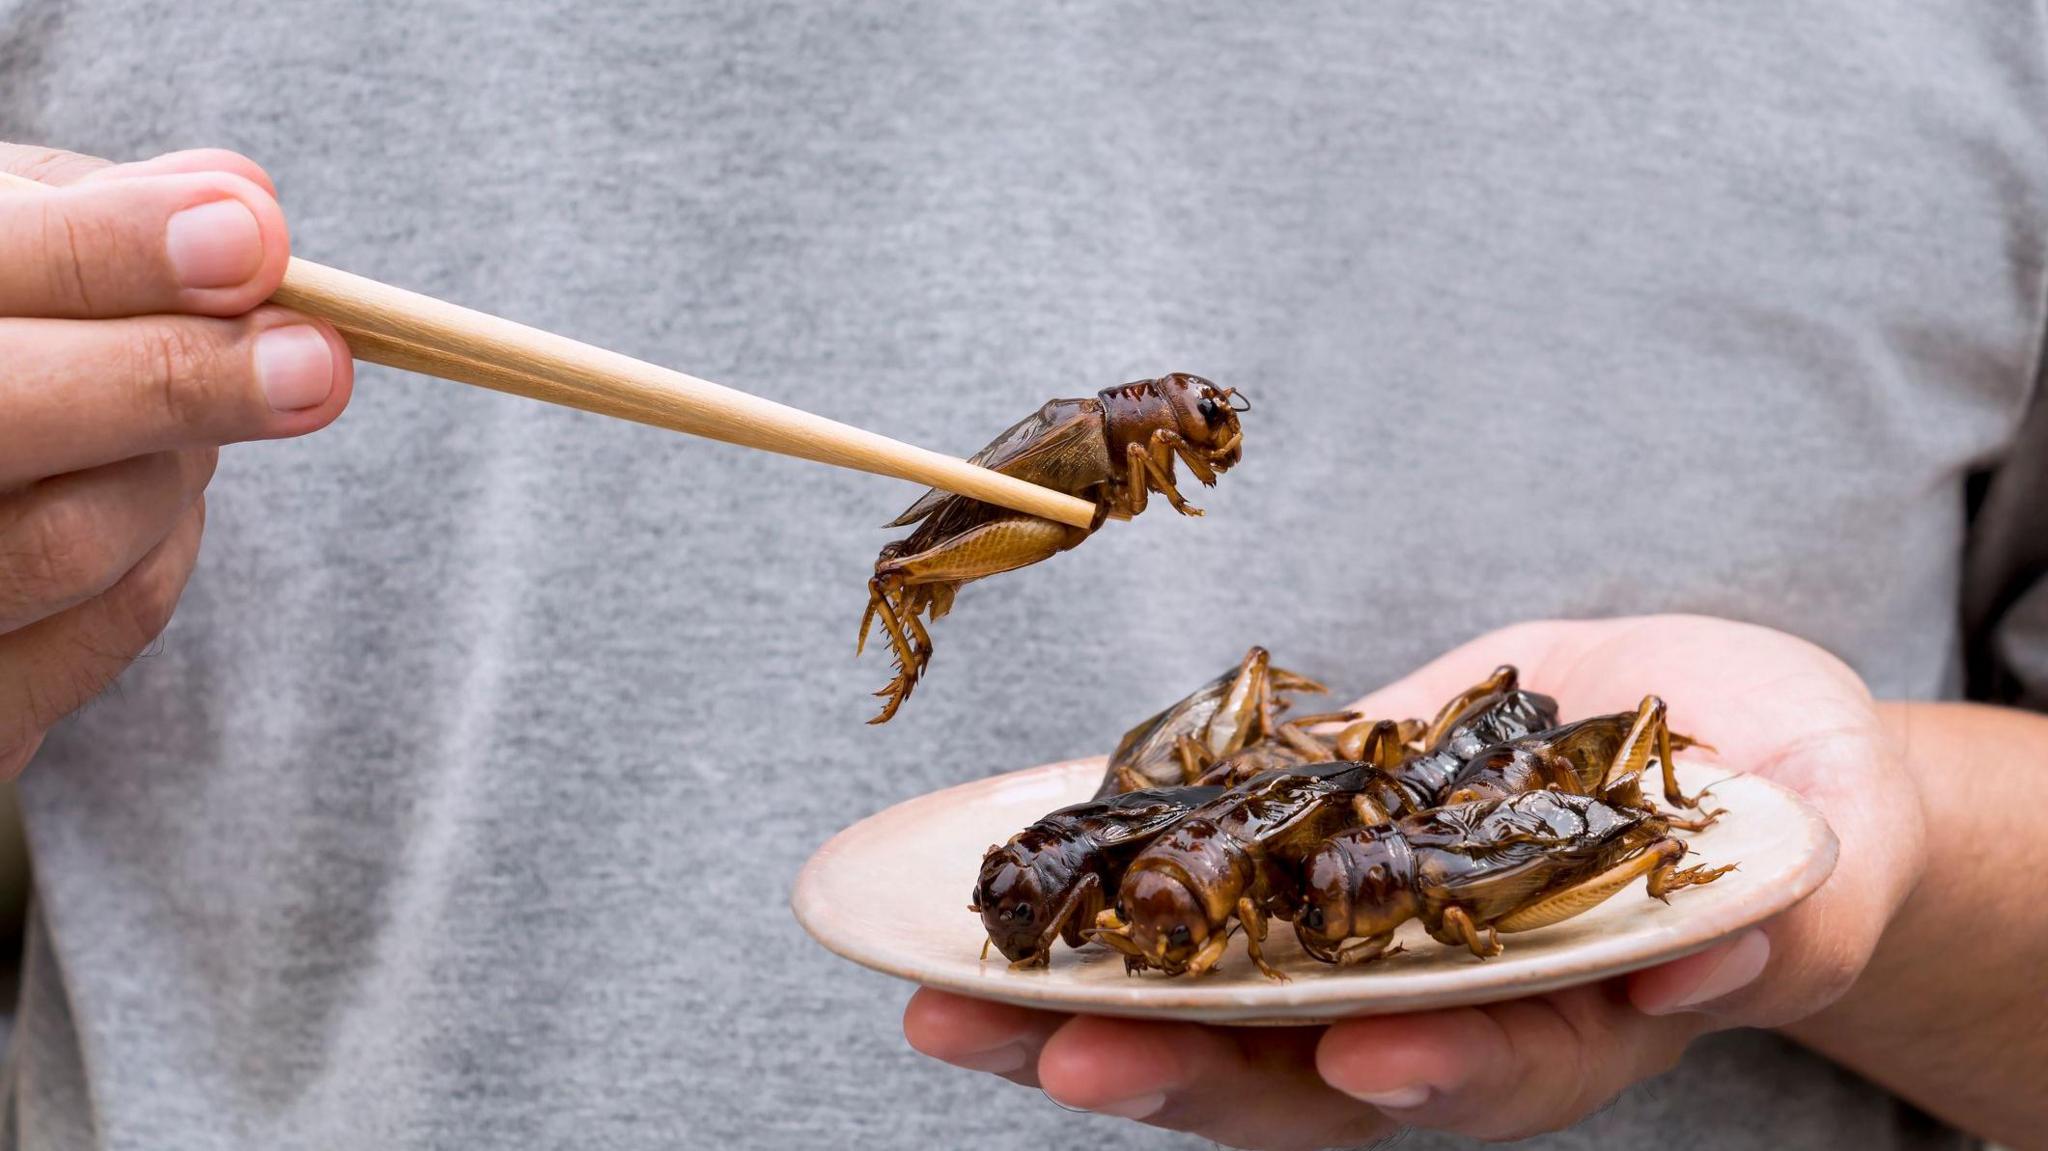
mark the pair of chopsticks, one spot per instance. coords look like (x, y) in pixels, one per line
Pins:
(401, 329)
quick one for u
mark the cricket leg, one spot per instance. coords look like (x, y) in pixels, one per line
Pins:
(1255, 936)
(1205, 960)
(997, 546)
(1459, 926)
(1188, 455)
(1377, 743)
(1308, 747)
(1649, 731)
(1195, 760)
(1672, 795)
(1239, 720)
(1503, 679)
(1284, 680)
(1111, 931)
(1148, 473)
(1668, 878)
(1042, 957)
(1698, 823)
(1265, 709)
(910, 658)
(1659, 860)
(1412, 731)
(1368, 949)
(1368, 811)
(1322, 717)
(987, 549)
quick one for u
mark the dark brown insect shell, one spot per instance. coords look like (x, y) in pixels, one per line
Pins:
(1025, 884)
(1184, 889)
(1200, 411)
(1358, 883)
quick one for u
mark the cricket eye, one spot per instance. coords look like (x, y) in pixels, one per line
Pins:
(1312, 918)
(1212, 413)
(1180, 936)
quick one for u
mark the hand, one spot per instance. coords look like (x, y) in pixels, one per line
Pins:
(1770, 703)
(120, 376)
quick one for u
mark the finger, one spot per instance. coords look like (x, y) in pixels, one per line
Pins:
(1507, 1070)
(51, 668)
(77, 395)
(978, 1034)
(187, 161)
(57, 167)
(1243, 1087)
(208, 243)
(70, 538)
(47, 165)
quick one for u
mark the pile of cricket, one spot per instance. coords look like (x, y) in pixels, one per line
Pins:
(1217, 816)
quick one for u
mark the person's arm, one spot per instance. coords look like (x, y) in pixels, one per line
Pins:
(1952, 1011)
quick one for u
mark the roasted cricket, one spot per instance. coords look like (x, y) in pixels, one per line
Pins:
(1235, 713)
(1051, 879)
(1115, 449)
(1491, 711)
(1239, 857)
(1472, 871)
(1491, 818)
(1576, 758)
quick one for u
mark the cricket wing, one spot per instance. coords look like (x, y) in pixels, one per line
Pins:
(1060, 446)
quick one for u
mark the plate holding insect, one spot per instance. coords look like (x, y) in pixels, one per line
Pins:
(1261, 872)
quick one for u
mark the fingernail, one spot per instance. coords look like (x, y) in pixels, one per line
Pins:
(1397, 1099)
(1739, 967)
(295, 367)
(215, 245)
(1138, 1107)
(996, 1061)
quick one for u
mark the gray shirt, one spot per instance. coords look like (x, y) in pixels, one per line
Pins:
(460, 805)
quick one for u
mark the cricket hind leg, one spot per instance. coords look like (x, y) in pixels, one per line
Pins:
(1659, 861)
(1651, 730)
(1503, 679)
(906, 586)
(897, 608)
(1377, 743)
(1195, 760)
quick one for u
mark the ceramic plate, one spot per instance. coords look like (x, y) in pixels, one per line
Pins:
(891, 893)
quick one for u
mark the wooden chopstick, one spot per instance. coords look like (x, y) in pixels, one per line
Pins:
(388, 325)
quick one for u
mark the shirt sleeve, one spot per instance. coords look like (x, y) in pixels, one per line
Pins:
(2005, 574)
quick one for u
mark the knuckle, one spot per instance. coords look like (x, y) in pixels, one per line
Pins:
(60, 554)
(1831, 965)
(140, 607)
(62, 252)
(48, 165)
(204, 462)
(172, 364)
